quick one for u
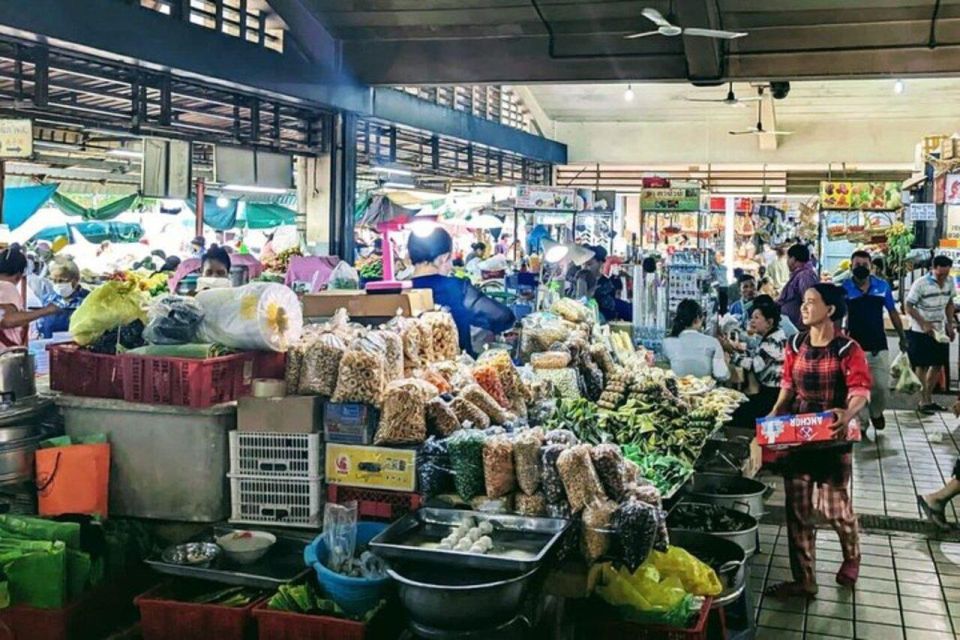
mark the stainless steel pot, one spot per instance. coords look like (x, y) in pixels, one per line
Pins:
(16, 375)
(746, 537)
(733, 492)
(459, 599)
(17, 447)
(723, 556)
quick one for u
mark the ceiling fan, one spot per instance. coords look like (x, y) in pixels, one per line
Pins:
(667, 28)
(758, 129)
(731, 99)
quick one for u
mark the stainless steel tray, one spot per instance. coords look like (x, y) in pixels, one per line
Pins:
(519, 543)
(282, 564)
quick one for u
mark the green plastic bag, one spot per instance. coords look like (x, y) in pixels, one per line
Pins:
(111, 305)
(78, 572)
(25, 527)
(36, 573)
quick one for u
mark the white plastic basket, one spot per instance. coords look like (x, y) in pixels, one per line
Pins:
(289, 502)
(287, 455)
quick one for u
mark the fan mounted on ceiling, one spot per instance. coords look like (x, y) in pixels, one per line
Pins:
(667, 28)
(758, 129)
(731, 99)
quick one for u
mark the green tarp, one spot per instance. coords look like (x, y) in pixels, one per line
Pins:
(106, 212)
(261, 215)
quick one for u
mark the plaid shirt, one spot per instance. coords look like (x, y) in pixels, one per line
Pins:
(824, 378)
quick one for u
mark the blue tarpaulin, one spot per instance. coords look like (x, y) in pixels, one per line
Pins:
(219, 218)
(19, 203)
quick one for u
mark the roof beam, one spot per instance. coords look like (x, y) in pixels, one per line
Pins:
(704, 55)
(306, 30)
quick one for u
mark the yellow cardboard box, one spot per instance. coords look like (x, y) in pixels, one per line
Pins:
(354, 465)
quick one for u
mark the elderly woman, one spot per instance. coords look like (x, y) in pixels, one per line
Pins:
(67, 295)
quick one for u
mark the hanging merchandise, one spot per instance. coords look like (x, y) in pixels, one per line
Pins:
(258, 316)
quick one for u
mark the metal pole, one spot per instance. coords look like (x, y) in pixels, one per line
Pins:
(3, 185)
(201, 201)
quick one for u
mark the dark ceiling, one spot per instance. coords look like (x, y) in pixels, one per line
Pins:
(466, 41)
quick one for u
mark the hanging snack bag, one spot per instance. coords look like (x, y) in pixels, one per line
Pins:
(403, 419)
(466, 412)
(485, 402)
(608, 463)
(526, 460)
(579, 478)
(360, 377)
(441, 418)
(498, 471)
(466, 461)
(596, 537)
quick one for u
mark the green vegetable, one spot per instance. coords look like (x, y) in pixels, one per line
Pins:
(305, 598)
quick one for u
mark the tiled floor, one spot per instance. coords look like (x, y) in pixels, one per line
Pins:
(909, 584)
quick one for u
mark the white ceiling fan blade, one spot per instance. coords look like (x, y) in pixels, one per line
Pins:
(656, 17)
(642, 34)
(713, 33)
(713, 100)
(744, 132)
(780, 133)
(753, 99)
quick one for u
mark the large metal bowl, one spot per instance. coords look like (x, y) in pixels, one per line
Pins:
(746, 536)
(733, 492)
(458, 599)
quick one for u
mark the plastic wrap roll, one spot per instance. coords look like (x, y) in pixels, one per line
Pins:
(260, 316)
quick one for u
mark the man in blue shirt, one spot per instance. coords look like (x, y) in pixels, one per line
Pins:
(743, 307)
(867, 297)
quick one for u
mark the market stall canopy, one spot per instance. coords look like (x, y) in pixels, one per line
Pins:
(19, 203)
(106, 212)
(379, 208)
(259, 215)
(220, 218)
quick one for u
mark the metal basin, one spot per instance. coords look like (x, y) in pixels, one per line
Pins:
(18, 445)
(725, 557)
(459, 599)
(746, 536)
(733, 492)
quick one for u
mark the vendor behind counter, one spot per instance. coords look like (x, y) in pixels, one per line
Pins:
(430, 255)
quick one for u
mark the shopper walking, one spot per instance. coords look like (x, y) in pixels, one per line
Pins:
(691, 352)
(802, 277)
(930, 306)
(867, 297)
(822, 371)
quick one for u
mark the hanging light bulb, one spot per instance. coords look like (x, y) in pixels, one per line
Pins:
(628, 95)
(222, 202)
(898, 87)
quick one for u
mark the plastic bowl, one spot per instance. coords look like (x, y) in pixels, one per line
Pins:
(246, 547)
(354, 595)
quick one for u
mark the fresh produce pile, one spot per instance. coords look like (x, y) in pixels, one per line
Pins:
(665, 472)
(305, 598)
(222, 597)
(281, 262)
(371, 267)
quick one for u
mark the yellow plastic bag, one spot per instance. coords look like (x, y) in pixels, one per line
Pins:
(111, 305)
(614, 589)
(697, 578)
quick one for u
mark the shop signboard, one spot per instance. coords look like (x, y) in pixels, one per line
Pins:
(679, 196)
(951, 189)
(861, 196)
(16, 138)
(952, 217)
(540, 198)
(922, 212)
(718, 204)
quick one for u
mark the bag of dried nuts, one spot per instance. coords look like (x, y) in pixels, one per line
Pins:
(596, 536)
(608, 462)
(498, 472)
(580, 480)
(526, 459)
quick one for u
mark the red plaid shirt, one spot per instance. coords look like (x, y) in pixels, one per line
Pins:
(824, 378)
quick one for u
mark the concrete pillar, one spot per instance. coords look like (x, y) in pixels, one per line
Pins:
(313, 203)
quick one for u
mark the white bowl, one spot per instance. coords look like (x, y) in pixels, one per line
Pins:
(246, 547)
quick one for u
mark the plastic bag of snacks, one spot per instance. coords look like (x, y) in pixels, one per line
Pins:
(441, 419)
(571, 310)
(534, 506)
(433, 468)
(602, 357)
(580, 480)
(637, 526)
(409, 334)
(292, 371)
(643, 491)
(360, 377)
(596, 537)
(561, 436)
(550, 481)
(393, 354)
(565, 381)
(434, 378)
(498, 472)
(510, 379)
(403, 419)
(526, 459)
(540, 330)
(608, 462)
(466, 412)
(485, 402)
(591, 376)
(427, 354)
(466, 460)
(488, 378)
(550, 360)
(321, 364)
(631, 472)
(443, 333)
(483, 504)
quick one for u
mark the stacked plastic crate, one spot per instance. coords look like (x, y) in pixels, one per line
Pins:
(276, 479)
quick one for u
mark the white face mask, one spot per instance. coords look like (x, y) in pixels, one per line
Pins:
(204, 283)
(63, 289)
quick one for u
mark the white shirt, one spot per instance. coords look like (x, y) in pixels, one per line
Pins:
(696, 354)
(930, 300)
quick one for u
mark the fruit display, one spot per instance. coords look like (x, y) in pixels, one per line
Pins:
(371, 267)
(281, 262)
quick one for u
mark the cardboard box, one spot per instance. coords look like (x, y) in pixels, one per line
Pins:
(349, 422)
(360, 304)
(291, 414)
(371, 467)
(800, 429)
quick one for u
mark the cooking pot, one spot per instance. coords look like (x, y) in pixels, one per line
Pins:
(747, 536)
(724, 556)
(16, 375)
(17, 447)
(733, 492)
(441, 597)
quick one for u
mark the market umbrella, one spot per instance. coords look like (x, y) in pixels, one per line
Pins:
(381, 208)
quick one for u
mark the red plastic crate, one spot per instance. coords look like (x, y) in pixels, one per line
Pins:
(605, 627)
(186, 382)
(79, 372)
(283, 625)
(162, 619)
(375, 504)
(89, 616)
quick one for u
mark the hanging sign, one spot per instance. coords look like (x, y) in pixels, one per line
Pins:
(16, 138)
(866, 196)
(951, 189)
(680, 196)
(922, 212)
(541, 198)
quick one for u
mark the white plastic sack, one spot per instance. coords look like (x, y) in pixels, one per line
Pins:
(900, 363)
(260, 316)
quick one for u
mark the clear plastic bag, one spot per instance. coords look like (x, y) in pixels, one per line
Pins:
(539, 331)
(427, 353)
(564, 381)
(443, 334)
(340, 535)
(393, 354)
(608, 463)
(485, 402)
(173, 320)
(638, 527)
(580, 481)
(293, 369)
(643, 491)
(532, 506)
(360, 377)
(321, 364)
(343, 277)
(403, 419)
(550, 480)
(526, 459)
(467, 412)
(550, 360)
(409, 334)
(466, 459)
(901, 362)
(441, 419)
(602, 357)
(433, 468)
(596, 538)
(488, 378)
(591, 376)
(561, 436)
(498, 471)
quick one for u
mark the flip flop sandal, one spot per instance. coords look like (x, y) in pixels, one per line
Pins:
(939, 518)
(848, 574)
(787, 590)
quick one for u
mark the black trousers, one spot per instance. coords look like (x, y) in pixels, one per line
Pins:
(757, 406)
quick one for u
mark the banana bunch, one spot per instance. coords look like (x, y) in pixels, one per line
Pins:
(622, 347)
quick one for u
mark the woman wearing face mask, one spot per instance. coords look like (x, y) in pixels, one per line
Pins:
(215, 269)
(67, 296)
(430, 257)
(13, 319)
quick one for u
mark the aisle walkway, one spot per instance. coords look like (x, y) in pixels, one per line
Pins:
(910, 578)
